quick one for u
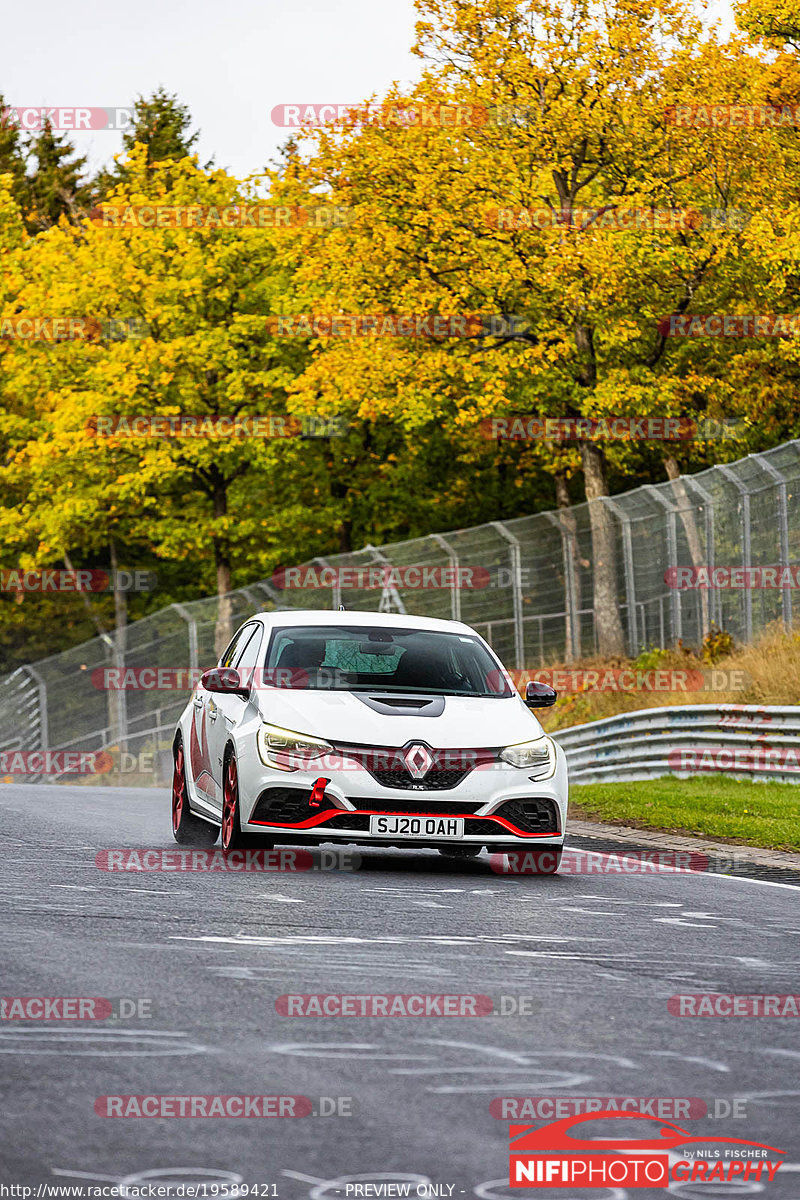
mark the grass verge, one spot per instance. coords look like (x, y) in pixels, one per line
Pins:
(757, 814)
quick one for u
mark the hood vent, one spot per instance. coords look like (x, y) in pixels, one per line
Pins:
(396, 705)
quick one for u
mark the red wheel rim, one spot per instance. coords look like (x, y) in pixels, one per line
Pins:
(178, 790)
(229, 798)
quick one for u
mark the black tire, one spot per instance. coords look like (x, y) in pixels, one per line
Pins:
(187, 829)
(460, 851)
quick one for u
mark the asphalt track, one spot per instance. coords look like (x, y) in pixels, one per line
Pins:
(598, 956)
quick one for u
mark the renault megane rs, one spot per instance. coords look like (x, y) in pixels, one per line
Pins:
(368, 728)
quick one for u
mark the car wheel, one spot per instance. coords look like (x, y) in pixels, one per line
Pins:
(232, 836)
(187, 829)
(460, 851)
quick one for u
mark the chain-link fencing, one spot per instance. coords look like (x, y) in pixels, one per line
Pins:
(527, 585)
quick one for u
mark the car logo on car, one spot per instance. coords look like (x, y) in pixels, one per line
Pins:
(418, 760)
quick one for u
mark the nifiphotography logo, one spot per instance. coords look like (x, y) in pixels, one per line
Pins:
(552, 1156)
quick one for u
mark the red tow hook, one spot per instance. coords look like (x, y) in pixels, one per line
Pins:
(318, 792)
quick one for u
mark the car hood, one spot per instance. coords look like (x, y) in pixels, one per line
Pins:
(465, 722)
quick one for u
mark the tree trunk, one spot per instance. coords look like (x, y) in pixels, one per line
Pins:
(223, 631)
(344, 534)
(610, 635)
(572, 630)
(686, 512)
(120, 723)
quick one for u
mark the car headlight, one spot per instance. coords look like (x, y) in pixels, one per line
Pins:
(287, 750)
(538, 756)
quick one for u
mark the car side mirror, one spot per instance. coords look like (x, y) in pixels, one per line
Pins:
(540, 695)
(224, 679)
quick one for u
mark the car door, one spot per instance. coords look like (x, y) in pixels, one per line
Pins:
(203, 718)
(225, 711)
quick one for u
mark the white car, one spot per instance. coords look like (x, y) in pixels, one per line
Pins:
(366, 728)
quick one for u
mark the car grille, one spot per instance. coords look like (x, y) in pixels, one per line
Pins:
(530, 816)
(434, 781)
(387, 767)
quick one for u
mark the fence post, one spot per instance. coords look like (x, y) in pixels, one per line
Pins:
(572, 629)
(389, 593)
(714, 603)
(455, 587)
(192, 632)
(630, 582)
(516, 594)
(783, 520)
(336, 589)
(672, 559)
(745, 498)
(41, 688)
(270, 592)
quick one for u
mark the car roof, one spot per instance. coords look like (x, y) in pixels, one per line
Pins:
(327, 616)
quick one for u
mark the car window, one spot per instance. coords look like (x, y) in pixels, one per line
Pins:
(248, 633)
(247, 659)
(234, 645)
(360, 658)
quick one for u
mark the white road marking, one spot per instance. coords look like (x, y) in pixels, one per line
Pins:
(703, 1062)
(101, 1043)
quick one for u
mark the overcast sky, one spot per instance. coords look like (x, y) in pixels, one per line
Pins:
(230, 63)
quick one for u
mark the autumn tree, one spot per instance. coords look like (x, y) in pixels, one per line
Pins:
(56, 186)
(162, 125)
(557, 126)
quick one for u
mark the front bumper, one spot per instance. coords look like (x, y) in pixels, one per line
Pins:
(502, 807)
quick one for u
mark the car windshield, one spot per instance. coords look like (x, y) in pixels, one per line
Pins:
(358, 658)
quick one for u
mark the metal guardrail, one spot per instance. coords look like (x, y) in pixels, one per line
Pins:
(741, 740)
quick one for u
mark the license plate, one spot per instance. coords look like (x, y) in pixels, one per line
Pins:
(445, 827)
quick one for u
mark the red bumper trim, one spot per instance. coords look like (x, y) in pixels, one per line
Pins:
(320, 818)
